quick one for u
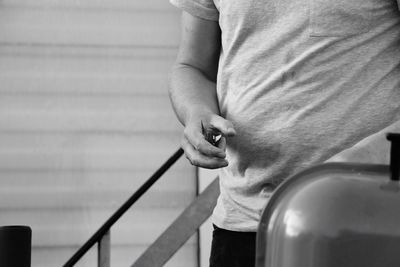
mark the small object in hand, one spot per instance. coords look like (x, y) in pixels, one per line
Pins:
(212, 135)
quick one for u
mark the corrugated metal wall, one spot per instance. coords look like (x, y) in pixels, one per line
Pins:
(84, 120)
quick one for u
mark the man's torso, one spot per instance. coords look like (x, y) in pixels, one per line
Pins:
(301, 81)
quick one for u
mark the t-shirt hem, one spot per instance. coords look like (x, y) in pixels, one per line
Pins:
(196, 9)
(234, 227)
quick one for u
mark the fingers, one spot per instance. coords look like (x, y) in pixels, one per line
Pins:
(197, 140)
(222, 143)
(204, 141)
(198, 159)
(223, 125)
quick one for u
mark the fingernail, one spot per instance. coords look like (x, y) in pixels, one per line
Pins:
(231, 130)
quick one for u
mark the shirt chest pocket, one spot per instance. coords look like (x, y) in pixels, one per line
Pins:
(340, 17)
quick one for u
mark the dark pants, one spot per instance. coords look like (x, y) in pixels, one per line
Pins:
(232, 249)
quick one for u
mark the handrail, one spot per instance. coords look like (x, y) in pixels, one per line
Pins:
(185, 225)
(97, 236)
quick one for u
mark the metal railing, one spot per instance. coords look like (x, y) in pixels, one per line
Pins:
(102, 236)
(179, 232)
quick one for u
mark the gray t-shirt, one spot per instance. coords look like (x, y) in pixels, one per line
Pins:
(301, 81)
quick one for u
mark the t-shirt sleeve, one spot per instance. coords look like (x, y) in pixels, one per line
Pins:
(204, 9)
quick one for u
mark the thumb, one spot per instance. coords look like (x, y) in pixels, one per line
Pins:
(223, 125)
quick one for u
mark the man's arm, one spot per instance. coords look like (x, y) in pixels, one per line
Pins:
(193, 91)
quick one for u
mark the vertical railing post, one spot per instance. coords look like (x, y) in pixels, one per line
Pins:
(104, 251)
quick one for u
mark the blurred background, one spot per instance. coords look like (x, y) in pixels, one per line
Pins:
(84, 120)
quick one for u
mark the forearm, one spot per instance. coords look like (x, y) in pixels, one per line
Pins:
(192, 92)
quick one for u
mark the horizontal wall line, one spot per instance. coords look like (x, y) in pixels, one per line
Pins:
(111, 6)
(162, 94)
(92, 46)
(78, 94)
(80, 170)
(105, 132)
(127, 52)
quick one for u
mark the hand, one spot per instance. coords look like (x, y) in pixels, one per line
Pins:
(198, 150)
